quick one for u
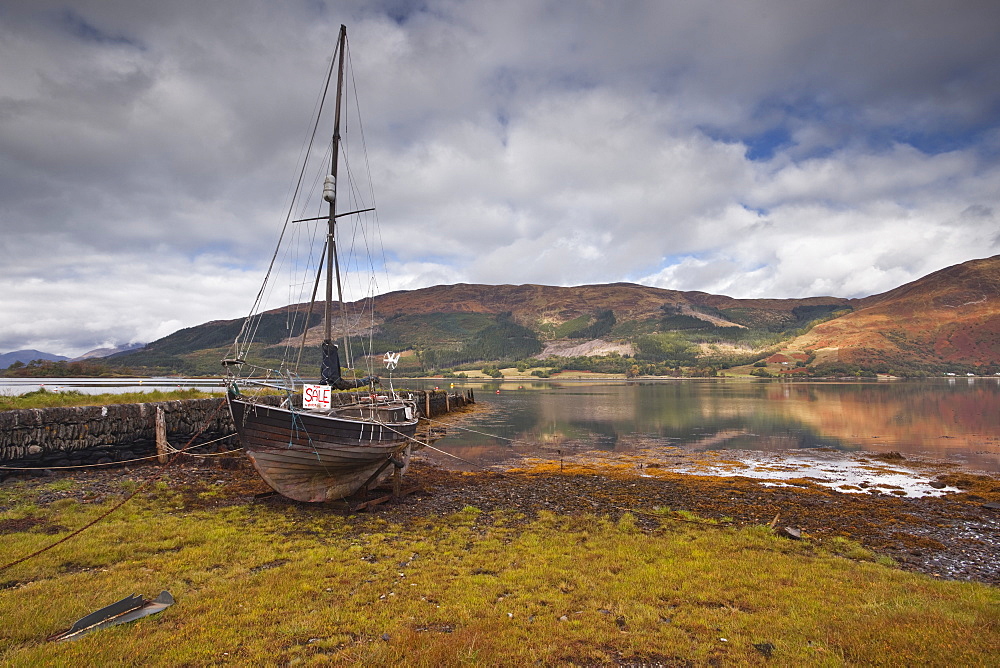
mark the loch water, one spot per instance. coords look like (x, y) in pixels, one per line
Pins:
(951, 419)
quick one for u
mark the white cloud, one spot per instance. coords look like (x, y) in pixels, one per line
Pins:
(146, 148)
(818, 250)
(113, 301)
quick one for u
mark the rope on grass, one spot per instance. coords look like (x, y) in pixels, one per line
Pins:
(121, 503)
(129, 461)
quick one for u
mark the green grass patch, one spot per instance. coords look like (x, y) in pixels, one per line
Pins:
(43, 398)
(282, 584)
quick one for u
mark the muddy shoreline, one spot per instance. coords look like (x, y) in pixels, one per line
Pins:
(954, 536)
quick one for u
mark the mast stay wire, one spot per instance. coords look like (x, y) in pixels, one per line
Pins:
(302, 204)
(253, 321)
(312, 270)
(373, 286)
(366, 293)
(371, 187)
(313, 267)
(241, 353)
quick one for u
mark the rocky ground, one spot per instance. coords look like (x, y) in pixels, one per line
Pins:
(955, 536)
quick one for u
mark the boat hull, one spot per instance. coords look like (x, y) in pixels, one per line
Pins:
(317, 457)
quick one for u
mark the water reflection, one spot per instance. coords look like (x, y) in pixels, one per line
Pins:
(959, 421)
(955, 419)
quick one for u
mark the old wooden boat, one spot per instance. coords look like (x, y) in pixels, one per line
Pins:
(331, 440)
(322, 455)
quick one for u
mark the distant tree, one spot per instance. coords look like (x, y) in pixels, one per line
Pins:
(493, 371)
(603, 322)
(667, 347)
(61, 369)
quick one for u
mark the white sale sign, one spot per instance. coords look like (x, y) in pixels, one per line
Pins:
(316, 396)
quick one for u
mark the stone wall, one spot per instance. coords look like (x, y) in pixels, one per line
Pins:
(73, 436)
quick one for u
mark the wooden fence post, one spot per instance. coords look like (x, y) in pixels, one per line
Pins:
(161, 435)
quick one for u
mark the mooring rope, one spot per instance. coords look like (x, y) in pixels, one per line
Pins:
(129, 461)
(481, 433)
(207, 454)
(428, 445)
(121, 503)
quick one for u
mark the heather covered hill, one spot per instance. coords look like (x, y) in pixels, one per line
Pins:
(545, 307)
(450, 325)
(949, 320)
(946, 321)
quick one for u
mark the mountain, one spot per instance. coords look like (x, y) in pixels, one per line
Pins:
(107, 352)
(448, 325)
(544, 306)
(947, 320)
(25, 356)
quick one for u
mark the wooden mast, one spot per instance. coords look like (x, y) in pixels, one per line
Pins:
(332, 261)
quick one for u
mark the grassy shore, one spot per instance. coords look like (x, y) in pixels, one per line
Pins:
(432, 583)
(43, 398)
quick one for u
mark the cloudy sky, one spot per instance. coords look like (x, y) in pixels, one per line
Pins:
(754, 148)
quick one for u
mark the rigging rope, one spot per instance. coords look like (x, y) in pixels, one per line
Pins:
(288, 217)
(121, 503)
